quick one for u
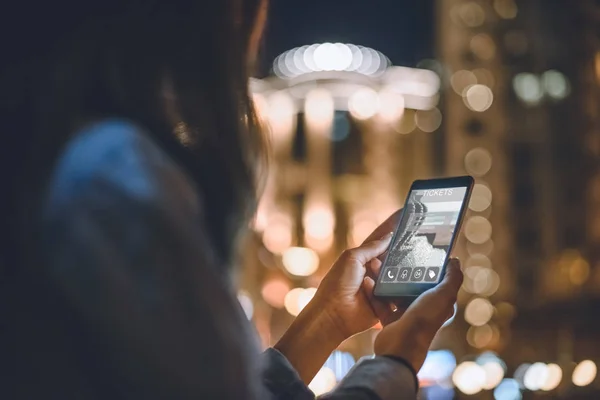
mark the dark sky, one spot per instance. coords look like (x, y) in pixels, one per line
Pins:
(401, 29)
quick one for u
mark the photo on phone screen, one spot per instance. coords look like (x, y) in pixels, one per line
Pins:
(424, 238)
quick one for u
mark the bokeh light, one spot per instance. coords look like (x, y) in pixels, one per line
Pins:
(478, 260)
(579, 271)
(319, 108)
(484, 77)
(506, 9)
(297, 299)
(528, 88)
(306, 296)
(481, 281)
(478, 162)
(329, 57)
(364, 104)
(485, 248)
(407, 123)
(520, 372)
(428, 120)
(319, 224)
(508, 389)
(461, 80)
(478, 230)
(556, 84)
(584, 373)
(391, 106)
(481, 198)
(437, 368)
(471, 14)
(281, 112)
(274, 291)
(291, 301)
(535, 376)
(478, 98)
(469, 378)
(494, 369)
(483, 46)
(300, 261)
(332, 57)
(553, 377)
(483, 336)
(277, 235)
(479, 311)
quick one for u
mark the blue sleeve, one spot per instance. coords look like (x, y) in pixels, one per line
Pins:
(378, 378)
(124, 244)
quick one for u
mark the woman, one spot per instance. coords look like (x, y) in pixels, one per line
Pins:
(129, 158)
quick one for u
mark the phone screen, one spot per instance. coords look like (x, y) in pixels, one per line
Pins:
(422, 243)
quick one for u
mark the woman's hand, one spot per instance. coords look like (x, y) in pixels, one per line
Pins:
(343, 294)
(410, 336)
(346, 292)
(343, 306)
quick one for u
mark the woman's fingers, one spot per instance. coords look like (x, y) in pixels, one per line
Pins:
(368, 251)
(383, 310)
(435, 306)
(388, 225)
(373, 268)
(452, 280)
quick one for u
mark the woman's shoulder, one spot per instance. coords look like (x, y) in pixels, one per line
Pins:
(118, 156)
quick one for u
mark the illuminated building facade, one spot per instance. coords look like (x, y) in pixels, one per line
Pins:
(555, 168)
(475, 108)
(349, 133)
(539, 141)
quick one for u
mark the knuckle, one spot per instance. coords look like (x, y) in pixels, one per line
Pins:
(349, 255)
(353, 253)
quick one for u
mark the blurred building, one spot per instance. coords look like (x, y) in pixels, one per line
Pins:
(349, 133)
(521, 110)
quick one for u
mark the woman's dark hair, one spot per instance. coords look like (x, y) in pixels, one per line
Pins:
(170, 66)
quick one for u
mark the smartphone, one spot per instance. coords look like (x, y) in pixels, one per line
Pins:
(423, 241)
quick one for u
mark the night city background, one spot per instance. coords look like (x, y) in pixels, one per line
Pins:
(361, 98)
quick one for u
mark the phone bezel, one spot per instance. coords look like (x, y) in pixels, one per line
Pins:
(411, 291)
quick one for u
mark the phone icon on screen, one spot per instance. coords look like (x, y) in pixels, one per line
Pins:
(389, 275)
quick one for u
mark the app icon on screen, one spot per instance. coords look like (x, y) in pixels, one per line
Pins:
(390, 274)
(418, 274)
(404, 275)
(432, 274)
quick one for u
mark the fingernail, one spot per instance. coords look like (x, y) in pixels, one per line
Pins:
(388, 236)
